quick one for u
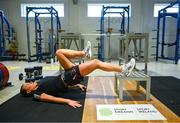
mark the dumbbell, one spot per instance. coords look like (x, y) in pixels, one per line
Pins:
(38, 72)
(21, 76)
(32, 74)
(28, 76)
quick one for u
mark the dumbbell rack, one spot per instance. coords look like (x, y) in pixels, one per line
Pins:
(32, 74)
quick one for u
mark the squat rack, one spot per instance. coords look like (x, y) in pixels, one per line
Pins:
(38, 37)
(161, 44)
(122, 11)
(4, 21)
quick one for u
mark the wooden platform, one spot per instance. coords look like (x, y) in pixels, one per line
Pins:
(100, 90)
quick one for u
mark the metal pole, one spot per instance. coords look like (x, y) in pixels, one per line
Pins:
(51, 36)
(36, 37)
(28, 35)
(157, 42)
(58, 28)
(177, 35)
(40, 40)
(163, 34)
(128, 20)
(1, 36)
(9, 27)
(101, 47)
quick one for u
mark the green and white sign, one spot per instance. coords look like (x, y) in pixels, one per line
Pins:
(128, 112)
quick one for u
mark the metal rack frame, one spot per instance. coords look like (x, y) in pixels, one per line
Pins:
(163, 14)
(122, 25)
(39, 54)
(4, 21)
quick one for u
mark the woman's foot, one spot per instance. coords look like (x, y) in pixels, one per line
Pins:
(127, 68)
(87, 50)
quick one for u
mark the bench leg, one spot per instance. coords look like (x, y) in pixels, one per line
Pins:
(138, 86)
(121, 83)
(116, 85)
(148, 88)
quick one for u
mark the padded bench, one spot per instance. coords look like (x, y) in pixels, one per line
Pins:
(135, 75)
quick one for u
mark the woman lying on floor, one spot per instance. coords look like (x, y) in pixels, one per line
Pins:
(47, 90)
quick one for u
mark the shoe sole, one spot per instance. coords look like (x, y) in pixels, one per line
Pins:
(130, 71)
(90, 51)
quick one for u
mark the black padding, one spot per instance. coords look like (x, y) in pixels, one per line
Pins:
(36, 73)
(37, 67)
(24, 109)
(38, 77)
(29, 79)
(167, 90)
(21, 76)
(28, 70)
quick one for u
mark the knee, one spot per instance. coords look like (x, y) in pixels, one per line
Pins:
(58, 52)
(96, 62)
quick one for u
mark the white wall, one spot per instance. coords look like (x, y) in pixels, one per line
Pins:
(76, 19)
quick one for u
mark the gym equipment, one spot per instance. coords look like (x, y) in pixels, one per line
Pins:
(32, 74)
(53, 45)
(135, 75)
(8, 43)
(140, 53)
(29, 75)
(67, 40)
(112, 10)
(3, 40)
(38, 72)
(4, 76)
(162, 14)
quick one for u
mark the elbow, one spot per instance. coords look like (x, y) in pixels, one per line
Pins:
(43, 97)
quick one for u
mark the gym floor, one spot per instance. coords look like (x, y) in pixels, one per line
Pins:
(100, 85)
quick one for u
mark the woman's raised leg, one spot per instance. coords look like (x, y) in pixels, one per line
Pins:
(64, 56)
(90, 66)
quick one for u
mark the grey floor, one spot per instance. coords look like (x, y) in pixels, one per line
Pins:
(162, 68)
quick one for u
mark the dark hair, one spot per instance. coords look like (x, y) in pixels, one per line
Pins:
(24, 92)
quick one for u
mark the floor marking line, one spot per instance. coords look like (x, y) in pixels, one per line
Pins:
(104, 93)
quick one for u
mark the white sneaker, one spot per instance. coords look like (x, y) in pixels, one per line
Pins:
(87, 50)
(127, 68)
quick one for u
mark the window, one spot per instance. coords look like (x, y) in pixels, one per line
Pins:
(58, 7)
(158, 7)
(94, 10)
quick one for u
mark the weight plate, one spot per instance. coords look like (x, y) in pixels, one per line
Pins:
(1, 77)
(5, 74)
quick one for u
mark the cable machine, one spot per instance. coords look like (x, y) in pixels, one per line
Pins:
(53, 45)
(3, 40)
(162, 14)
(123, 27)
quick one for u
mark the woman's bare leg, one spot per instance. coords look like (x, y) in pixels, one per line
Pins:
(72, 53)
(92, 65)
(63, 56)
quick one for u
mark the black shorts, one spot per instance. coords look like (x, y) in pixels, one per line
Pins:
(72, 76)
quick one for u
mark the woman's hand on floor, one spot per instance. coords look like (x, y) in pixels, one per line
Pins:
(82, 87)
(74, 104)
